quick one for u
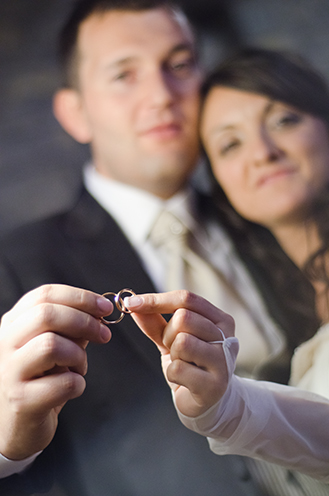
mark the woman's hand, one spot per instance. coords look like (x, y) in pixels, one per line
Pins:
(194, 367)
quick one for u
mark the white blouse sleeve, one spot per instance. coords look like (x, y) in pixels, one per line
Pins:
(276, 423)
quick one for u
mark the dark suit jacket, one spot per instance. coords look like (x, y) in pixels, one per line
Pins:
(122, 436)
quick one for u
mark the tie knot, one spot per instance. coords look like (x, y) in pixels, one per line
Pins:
(167, 228)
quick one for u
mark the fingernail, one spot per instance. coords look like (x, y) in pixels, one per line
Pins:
(105, 333)
(133, 302)
(104, 305)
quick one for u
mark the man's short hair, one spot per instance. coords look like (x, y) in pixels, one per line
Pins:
(82, 10)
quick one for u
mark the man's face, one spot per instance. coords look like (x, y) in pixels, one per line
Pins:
(139, 97)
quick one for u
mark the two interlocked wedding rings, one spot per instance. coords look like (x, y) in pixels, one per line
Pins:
(119, 303)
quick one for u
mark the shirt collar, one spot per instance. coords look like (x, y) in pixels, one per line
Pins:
(133, 209)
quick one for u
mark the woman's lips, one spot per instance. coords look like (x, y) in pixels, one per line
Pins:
(273, 176)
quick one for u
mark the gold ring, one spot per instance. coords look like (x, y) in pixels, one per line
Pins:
(119, 304)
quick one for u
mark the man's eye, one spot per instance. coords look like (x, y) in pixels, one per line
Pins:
(183, 68)
(122, 76)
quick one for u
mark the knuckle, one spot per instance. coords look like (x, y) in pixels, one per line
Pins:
(45, 313)
(229, 323)
(151, 300)
(48, 344)
(175, 370)
(89, 323)
(182, 342)
(43, 293)
(73, 384)
(181, 317)
(86, 326)
(83, 298)
(186, 297)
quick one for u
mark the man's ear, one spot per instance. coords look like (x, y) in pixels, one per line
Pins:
(68, 111)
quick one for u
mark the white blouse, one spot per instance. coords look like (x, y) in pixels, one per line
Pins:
(280, 424)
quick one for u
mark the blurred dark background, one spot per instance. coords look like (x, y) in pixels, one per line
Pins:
(39, 164)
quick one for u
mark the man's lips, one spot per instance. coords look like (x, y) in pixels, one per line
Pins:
(162, 131)
(276, 174)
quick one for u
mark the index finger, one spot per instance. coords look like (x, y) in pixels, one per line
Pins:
(164, 303)
(73, 324)
(61, 294)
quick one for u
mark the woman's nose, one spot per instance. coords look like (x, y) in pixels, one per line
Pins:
(265, 149)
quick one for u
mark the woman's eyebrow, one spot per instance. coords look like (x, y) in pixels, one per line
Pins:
(221, 128)
(269, 107)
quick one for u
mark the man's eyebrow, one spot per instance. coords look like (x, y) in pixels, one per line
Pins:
(120, 62)
(183, 47)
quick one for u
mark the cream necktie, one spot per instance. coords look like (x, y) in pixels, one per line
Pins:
(186, 269)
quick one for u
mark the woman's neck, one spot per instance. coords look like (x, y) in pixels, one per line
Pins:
(298, 239)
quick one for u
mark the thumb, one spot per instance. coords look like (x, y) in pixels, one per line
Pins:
(153, 325)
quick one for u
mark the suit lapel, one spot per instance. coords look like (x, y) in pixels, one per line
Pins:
(108, 262)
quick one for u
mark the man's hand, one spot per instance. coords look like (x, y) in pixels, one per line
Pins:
(194, 367)
(43, 360)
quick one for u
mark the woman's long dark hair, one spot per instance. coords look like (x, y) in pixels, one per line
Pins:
(288, 292)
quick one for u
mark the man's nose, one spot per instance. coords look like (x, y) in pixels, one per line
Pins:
(160, 90)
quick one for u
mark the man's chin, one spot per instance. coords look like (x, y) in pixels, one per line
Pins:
(168, 182)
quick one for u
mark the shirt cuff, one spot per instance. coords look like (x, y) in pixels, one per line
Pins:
(10, 467)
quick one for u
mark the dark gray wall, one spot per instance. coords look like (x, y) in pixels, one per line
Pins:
(39, 164)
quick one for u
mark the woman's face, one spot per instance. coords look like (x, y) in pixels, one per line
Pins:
(270, 159)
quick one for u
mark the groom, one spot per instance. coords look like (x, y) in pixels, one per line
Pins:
(130, 90)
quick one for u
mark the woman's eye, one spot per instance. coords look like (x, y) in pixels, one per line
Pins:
(287, 120)
(228, 147)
